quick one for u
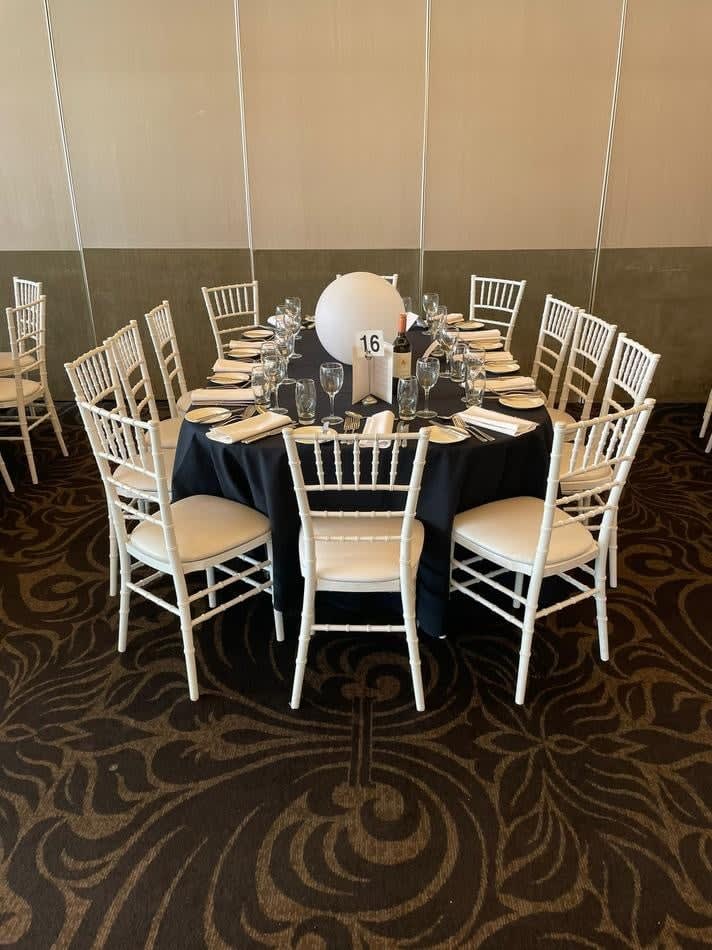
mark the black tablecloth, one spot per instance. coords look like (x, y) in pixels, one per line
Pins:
(456, 477)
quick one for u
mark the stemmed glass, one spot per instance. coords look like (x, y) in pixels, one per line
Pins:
(427, 372)
(288, 317)
(284, 342)
(446, 337)
(430, 306)
(294, 304)
(275, 373)
(436, 321)
(331, 376)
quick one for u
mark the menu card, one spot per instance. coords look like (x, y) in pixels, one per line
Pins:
(372, 376)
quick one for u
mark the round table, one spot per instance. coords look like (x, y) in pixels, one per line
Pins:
(457, 476)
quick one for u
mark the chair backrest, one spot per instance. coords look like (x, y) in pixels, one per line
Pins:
(95, 380)
(391, 278)
(123, 445)
(555, 333)
(130, 360)
(632, 369)
(354, 463)
(26, 291)
(165, 344)
(590, 345)
(26, 329)
(228, 306)
(602, 453)
(499, 297)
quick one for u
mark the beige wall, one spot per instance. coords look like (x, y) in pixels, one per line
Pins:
(152, 115)
(334, 93)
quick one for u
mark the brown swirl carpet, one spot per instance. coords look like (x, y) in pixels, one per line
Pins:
(131, 817)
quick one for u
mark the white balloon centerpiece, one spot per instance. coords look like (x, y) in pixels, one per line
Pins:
(354, 302)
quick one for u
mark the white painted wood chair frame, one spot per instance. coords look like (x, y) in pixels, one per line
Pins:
(496, 296)
(121, 441)
(228, 306)
(555, 334)
(25, 411)
(95, 381)
(391, 278)
(129, 358)
(610, 441)
(363, 478)
(590, 345)
(165, 344)
(25, 291)
(706, 421)
(6, 475)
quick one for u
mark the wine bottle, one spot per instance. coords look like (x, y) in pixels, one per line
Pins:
(402, 356)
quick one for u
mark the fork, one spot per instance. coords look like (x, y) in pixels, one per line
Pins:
(459, 424)
(350, 424)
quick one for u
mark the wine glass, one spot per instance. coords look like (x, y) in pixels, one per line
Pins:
(407, 304)
(290, 315)
(446, 337)
(430, 305)
(427, 371)
(284, 342)
(275, 373)
(437, 320)
(331, 376)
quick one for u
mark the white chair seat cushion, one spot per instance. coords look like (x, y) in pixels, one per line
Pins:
(558, 415)
(589, 479)
(138, 480)
(183, 404)
(8, 393)
(508, 531)
(6, 364)
(206, 528)
(361, 562)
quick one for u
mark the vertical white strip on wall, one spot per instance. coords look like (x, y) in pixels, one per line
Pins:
(243, 133)
(607, 162)
(424, 166)
(68, 165)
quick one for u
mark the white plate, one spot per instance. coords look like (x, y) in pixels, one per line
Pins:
(208, 414)
(522, 402)
(445, 435)
(228, 379)
(305, 434)
(501, 367)
(470, 325)
(258, 334)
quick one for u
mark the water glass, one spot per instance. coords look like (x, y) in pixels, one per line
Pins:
(260, 385)
(457, 362)
(474, 366)
(331, 376)
(475, 385)
(427, 372)
(305, 398)
(407, 304)
(407, 398)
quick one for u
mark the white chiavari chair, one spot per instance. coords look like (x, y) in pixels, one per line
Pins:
(228, 307)
(496, 303)
(25, 394)
(555, 333)
(25, 291)
(6, 475)
(391, 278)
(706, 421)
(590, 345)
(632, 369)
(196, 534)
(127, 351)
(359, 551)
(554, 537)
(165, 345)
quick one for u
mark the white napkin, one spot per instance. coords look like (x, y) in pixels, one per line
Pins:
(455, 318)
(245, 346)
(411, 319)
(480, 335)
(498, 356)
(523, 383)
(497, 421)
(218, 397)
(379, 424)
(231, 366)
(246, 428)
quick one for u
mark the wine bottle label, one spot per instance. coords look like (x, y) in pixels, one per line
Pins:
(401, 365)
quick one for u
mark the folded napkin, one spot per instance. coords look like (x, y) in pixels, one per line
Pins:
(218, 397)
(231, 366)
(498, 356)
(379, 424)
(480, 335)
(522, 383)
(411, 319)
(247, 428)
(455, 318)
(497, 421)
(244, 346)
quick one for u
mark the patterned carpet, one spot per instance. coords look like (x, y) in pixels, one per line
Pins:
(131, 817)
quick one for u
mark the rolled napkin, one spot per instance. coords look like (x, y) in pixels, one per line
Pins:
(248, 428)
(455, 318)
(498, 356)
(496, 421)
(379, 424)
(219, 397)
(484, 336)
(231, 366)
(521, 383)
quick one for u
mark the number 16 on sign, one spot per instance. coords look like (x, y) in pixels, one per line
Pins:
(370, 342)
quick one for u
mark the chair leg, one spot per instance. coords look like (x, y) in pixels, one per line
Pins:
(305, 632)
(601, 617)
(113, 558)
(22, 413)
(411, 633)
(186, 630)
(210, 580)
(518, 586)
(706, 417)
(124, 599)
(525, 649)
(452, 558)
(278, 619)
(709, 445)
(279, 625)
(54, 418)
(6, 475)
(613, 553)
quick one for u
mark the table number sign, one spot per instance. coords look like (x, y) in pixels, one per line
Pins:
(372, 367)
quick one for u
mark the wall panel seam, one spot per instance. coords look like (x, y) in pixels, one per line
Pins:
(243, 136)
(424, 163)
(68, 165)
